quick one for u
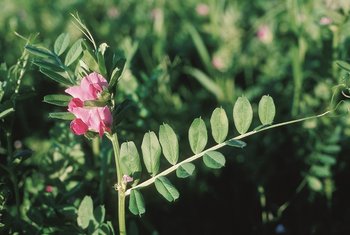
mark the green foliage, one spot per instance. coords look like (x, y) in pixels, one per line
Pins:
(197, 135)
(151, 152)
(242, 114)
(136, 203)
(166, 189)
(59, 100)
(219, 125)
(185, 170)
(85, 212)
(267, 110)
(61, 43)
(214, 159)
(130, 160)
(169, 143)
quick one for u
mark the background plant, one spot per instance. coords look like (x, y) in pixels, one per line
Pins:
(158, 50)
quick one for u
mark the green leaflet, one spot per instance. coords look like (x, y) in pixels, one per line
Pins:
(62, 115)
(242, 114)
(169, 143)
(61, 43)
(136, 203)
(214, 159)
(198, 135)
(185, 170)
(166, 189)
(151, 152)
(130, 160)
(219, 125)
(85, 212)
(73, 53)
(59, 100)
(266, 110)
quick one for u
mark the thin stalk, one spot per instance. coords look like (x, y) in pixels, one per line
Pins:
(121, 189)
(218, 146)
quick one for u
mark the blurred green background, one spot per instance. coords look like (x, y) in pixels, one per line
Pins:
(184, 59)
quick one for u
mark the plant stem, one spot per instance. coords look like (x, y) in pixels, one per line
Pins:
(218, 146)
(121, 190)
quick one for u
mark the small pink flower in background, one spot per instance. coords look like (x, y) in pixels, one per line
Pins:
(325, 21)
(264, 34)
(218, 63)
(96, 119)
(127, 179)
(113, 12)
(156, 14)
(48, 189)
(202, 9)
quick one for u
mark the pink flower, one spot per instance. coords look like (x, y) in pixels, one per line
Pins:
(202, 9)
(218, 63)
(127, 179)
(264, 34)
(325, 21)
(89, 88)
(48, 189)
(96, 119)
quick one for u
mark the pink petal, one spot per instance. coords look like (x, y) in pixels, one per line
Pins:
(97, 78)
(78, 127)
(75, 103)
(82, 113)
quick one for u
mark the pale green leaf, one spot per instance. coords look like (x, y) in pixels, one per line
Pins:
(61, 43)
(166, 189)
(130, 160)
(242, 114)
(6, 112)
(219, 125)
(151, 152)
(344, 65)
(198, 135)
(314, 183)
(214, 159)
(85, 212)
(169, 143)
(136, 203)
(266, 110)
(185, 170)
(74, 53)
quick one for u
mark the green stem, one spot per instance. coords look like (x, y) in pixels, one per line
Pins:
(121, 189)
(218, 146)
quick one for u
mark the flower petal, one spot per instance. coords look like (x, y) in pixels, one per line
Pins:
(78, 127)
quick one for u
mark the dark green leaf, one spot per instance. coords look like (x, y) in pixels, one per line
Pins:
(166, 189)
(320, 171)
(56, 77)
(48, 65)
(242, 114)
(169, 142)
(185, 170)
(59, 100)
(41, 52)
(74, 53)
(61, 43)
(151, 152)
(219, 125)
(85, 212)
(267, 110)
(214, 159)
(236, 143)
(136, 203)
(62, 115)
(117, 72)
(99, 214)
(198, 135)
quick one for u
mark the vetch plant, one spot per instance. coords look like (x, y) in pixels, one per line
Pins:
(91, 75)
